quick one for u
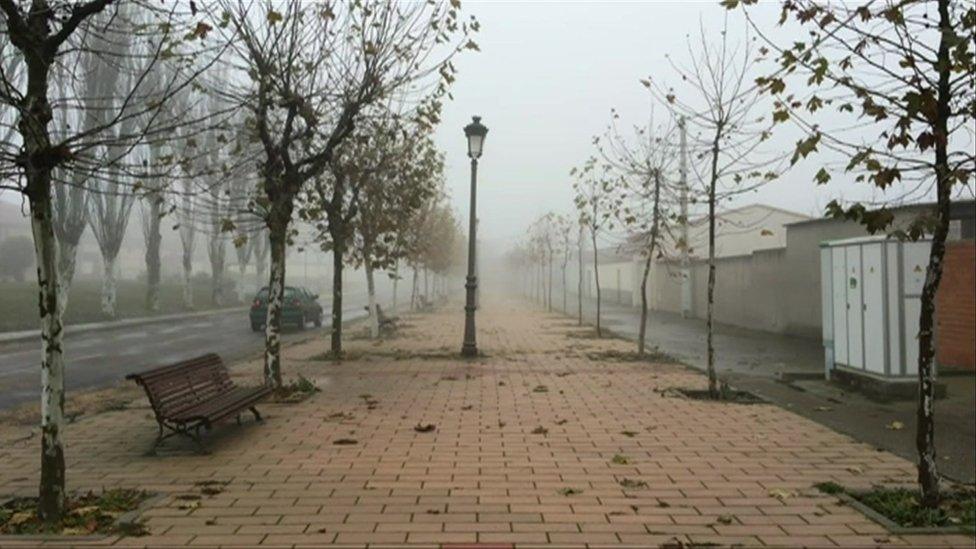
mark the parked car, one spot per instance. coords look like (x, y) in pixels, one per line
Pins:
(299, 306)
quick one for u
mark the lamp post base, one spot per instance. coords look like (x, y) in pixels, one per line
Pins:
(469, 351)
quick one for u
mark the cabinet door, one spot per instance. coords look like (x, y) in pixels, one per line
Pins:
(855, 334)
(873, 307)
(839, 297)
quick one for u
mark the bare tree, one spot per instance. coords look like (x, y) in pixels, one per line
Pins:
(580, 243)
(644, 162)
(219, 220)
(544, 235)
(113, 196)
(595, 204)
(408, 174)
(70, 201)
(564, 239)
(154, 196)
(722, 106)
(186, 213)
(922, 108)
(152, 209)
(42, 32)
(351, 56)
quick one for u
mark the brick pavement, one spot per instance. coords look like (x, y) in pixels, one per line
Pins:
(523, 453)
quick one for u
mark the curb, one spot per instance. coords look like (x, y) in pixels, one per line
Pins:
(895, 528)
(11, 337)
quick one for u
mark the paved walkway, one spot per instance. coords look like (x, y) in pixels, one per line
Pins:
(523, 453)
(755, 361)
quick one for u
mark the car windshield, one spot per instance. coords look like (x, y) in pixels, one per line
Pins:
(289, 292)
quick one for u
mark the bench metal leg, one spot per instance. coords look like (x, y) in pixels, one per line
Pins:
(195, 435)
(157, 442)
(257, 416)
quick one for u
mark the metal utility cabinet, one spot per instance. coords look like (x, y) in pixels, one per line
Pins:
(871, 290)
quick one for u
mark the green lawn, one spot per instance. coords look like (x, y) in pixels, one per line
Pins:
(18, 302)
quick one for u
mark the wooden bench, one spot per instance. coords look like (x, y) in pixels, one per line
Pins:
(194, 394)
(387, 324)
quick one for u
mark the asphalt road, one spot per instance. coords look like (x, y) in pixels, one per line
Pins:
(102, 358)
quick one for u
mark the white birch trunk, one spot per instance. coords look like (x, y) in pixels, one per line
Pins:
(67, 259)
(52, 485)
(109, 289)
(374, 317)
(241, 294)
(187, 280)
(276, 291)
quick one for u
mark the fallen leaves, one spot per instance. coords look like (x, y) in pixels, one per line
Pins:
(345, 441)
(570, 491)
(632, 484)
(895, 426)
(782, 493)
(620, 460)
(424, 428)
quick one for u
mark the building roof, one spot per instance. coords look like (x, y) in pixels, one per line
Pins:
(704, 218)
(960, 209)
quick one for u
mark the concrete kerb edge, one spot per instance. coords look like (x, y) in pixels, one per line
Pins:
(12, 337)
(895, 528)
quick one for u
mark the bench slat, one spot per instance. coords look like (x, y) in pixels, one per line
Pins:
(195, 390)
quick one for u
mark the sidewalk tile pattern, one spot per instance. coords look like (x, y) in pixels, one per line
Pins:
(523, 453)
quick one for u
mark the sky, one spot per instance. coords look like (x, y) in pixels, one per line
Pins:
(544, 82)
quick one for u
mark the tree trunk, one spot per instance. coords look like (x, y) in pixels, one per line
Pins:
(241, 294)
(109, 288)
(217, 259)
(643, 318)
(579, 283)
(396, 281)
(187, 279)
(655, 220)
(336, 342)
(374, 318)
(153, 264)
(67, 262)
(596, 280)
(260, 262)
(276, 292)
(34, 115)
(413, 290)
(565, 290)
(52, 487)
(550, 282)
(710, 346)
(928, 474)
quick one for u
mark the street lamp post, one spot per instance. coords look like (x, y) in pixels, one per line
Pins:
(475, 132)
